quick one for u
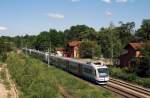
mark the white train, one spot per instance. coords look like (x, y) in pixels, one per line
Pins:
(96, 72)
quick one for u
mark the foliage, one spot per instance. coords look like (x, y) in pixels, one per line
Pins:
(80, 32)
(36, 80)
(51, 39)
(143, 69)
(31, 77)
(144, 31)
(124, 32)
(108, 40)
(131, 77)
(89, 49)
(4, 48)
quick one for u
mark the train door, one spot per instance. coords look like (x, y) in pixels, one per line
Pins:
(80, 69)
(67, 65)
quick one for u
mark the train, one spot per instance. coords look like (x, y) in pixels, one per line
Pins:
(94, 71)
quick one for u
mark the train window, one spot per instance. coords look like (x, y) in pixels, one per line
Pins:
(73, 67)
(94, 72)
(88, 70)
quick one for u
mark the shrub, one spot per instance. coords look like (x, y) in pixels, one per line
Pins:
(127, 76)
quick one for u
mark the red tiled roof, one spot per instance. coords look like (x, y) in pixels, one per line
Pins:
(74, 43)
(59, 49)
(147, 42)
(136, 46)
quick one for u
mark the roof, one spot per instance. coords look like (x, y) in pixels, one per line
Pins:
(147, 42)
(74, 43)
(59, 49)
(135, 46)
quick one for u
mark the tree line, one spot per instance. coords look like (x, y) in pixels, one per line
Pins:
(94, 43)
(105, 39)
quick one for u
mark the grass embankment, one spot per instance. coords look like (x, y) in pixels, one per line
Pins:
(131, 77)
(36, 80)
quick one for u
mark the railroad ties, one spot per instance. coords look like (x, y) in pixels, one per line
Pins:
(127, 90)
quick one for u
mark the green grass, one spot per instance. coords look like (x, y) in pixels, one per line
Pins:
(131, 77)
(35, 80)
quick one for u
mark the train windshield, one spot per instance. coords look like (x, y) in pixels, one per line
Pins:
(103, 72)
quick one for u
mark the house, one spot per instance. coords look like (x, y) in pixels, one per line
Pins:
(72, 49)
(60, 51)
(131, 51)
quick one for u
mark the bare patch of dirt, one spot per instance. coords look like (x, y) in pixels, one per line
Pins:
(4, 92)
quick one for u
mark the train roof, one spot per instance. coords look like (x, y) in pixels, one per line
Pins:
(95, 64)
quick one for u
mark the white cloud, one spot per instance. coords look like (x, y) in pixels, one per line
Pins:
(2, 28)
(121, 1)
(75, 0)
(56, 16)
(107, 1)
(117, 1)
(108, 13)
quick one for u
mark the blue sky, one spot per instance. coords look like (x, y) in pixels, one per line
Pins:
(20, 17)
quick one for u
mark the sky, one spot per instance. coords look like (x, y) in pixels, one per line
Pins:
(21, 17)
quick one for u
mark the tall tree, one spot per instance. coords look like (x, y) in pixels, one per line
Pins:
(80, 32)
(143, 69)
(125, 32)
(51, 39)
(144, 31)
(89, 49)
(5, 46)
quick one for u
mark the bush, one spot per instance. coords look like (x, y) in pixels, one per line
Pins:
(131, 77)
(141, 66)
(144, 82)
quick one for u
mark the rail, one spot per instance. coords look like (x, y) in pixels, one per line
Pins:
(126, 89)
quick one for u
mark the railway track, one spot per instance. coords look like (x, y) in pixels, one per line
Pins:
(127, 90)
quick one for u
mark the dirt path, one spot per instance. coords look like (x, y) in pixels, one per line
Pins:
(64, 93)
(3, 91)
(7, 93)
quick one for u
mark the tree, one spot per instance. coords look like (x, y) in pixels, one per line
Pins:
(51, 39)
(5, 47)
(108, 39)
(42, 41)
(144, 31)
(89, 49)
(104, 39)
(80, 32)
(125, 31)
(143, 69)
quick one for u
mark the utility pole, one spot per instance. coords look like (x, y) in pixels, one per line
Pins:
(26, 48)
(112, 45)
(49, 52)
(48, 57)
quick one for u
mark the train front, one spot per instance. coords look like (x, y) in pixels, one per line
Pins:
(102, 73)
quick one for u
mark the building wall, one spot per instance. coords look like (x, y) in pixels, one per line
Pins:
(125, 60)
(76, 52)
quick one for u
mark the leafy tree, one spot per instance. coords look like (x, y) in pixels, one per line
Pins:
(5, 47)
(89, 49)
(104, 39)
(80, 32)
(108, 39)
(144, 31)
(42, 41)
(125, 31)
(51, 39)
(143, 69)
